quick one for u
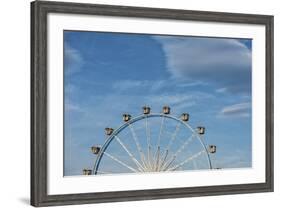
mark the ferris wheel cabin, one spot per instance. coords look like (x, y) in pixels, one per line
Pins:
(95, 150)
(108, 131)
(146, 110)
(87, 172)
(166, 110)
(200, 130)
(185, 117)
(212, 148)
(126, 117)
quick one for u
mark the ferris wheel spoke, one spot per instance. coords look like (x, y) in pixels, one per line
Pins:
(140, 167)
(120, 162)
(158, 141)
(195, 164)
(150, 159)
(163, 160)
(148, 140)
(160, 132)
(156, 159)
(142, 157)
(185, 144)
(173, 136)
(168, 163)
(187, 160)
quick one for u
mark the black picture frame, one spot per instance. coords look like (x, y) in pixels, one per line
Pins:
(39, 98)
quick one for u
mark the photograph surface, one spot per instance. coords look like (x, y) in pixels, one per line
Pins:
(137, 103)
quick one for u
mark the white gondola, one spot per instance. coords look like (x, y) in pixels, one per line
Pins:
(146, 110)
(185, 117)
(201, 130)
(95, 150)
(87, 172)
(126, 117)
(166, 110)
(109, 131)
(212, 148)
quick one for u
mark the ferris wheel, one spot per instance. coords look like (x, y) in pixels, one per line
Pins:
(152, 142)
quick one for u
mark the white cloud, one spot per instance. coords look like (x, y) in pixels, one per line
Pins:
(237, 110)
(160, 84)
(122, 85)
(151, 85)
(193, 84)
(154, 86)
(238, 157)
(221, 90)
(226, 62)
(72, 107)
(172, 99)
(73, 60)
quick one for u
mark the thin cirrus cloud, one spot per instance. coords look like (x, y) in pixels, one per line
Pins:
(220, 61)
(236, 110)
(73, 60)
(150, 85)
(122, 85)
(153, 85)
(73, 107)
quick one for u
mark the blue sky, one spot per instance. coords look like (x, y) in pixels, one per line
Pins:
(108, 74)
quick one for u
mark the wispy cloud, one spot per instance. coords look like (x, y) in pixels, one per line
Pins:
(151, 85)
(122, 85)
(73, 60)
(221, 90)
(236, 110)
(175, 100)
(225, 62)
(193, 84)
(239, 158)
(72, 107)
(154, 86)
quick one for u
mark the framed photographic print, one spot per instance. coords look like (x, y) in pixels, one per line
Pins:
(131, 103)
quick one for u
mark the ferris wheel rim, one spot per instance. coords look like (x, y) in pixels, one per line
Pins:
(138, 118)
